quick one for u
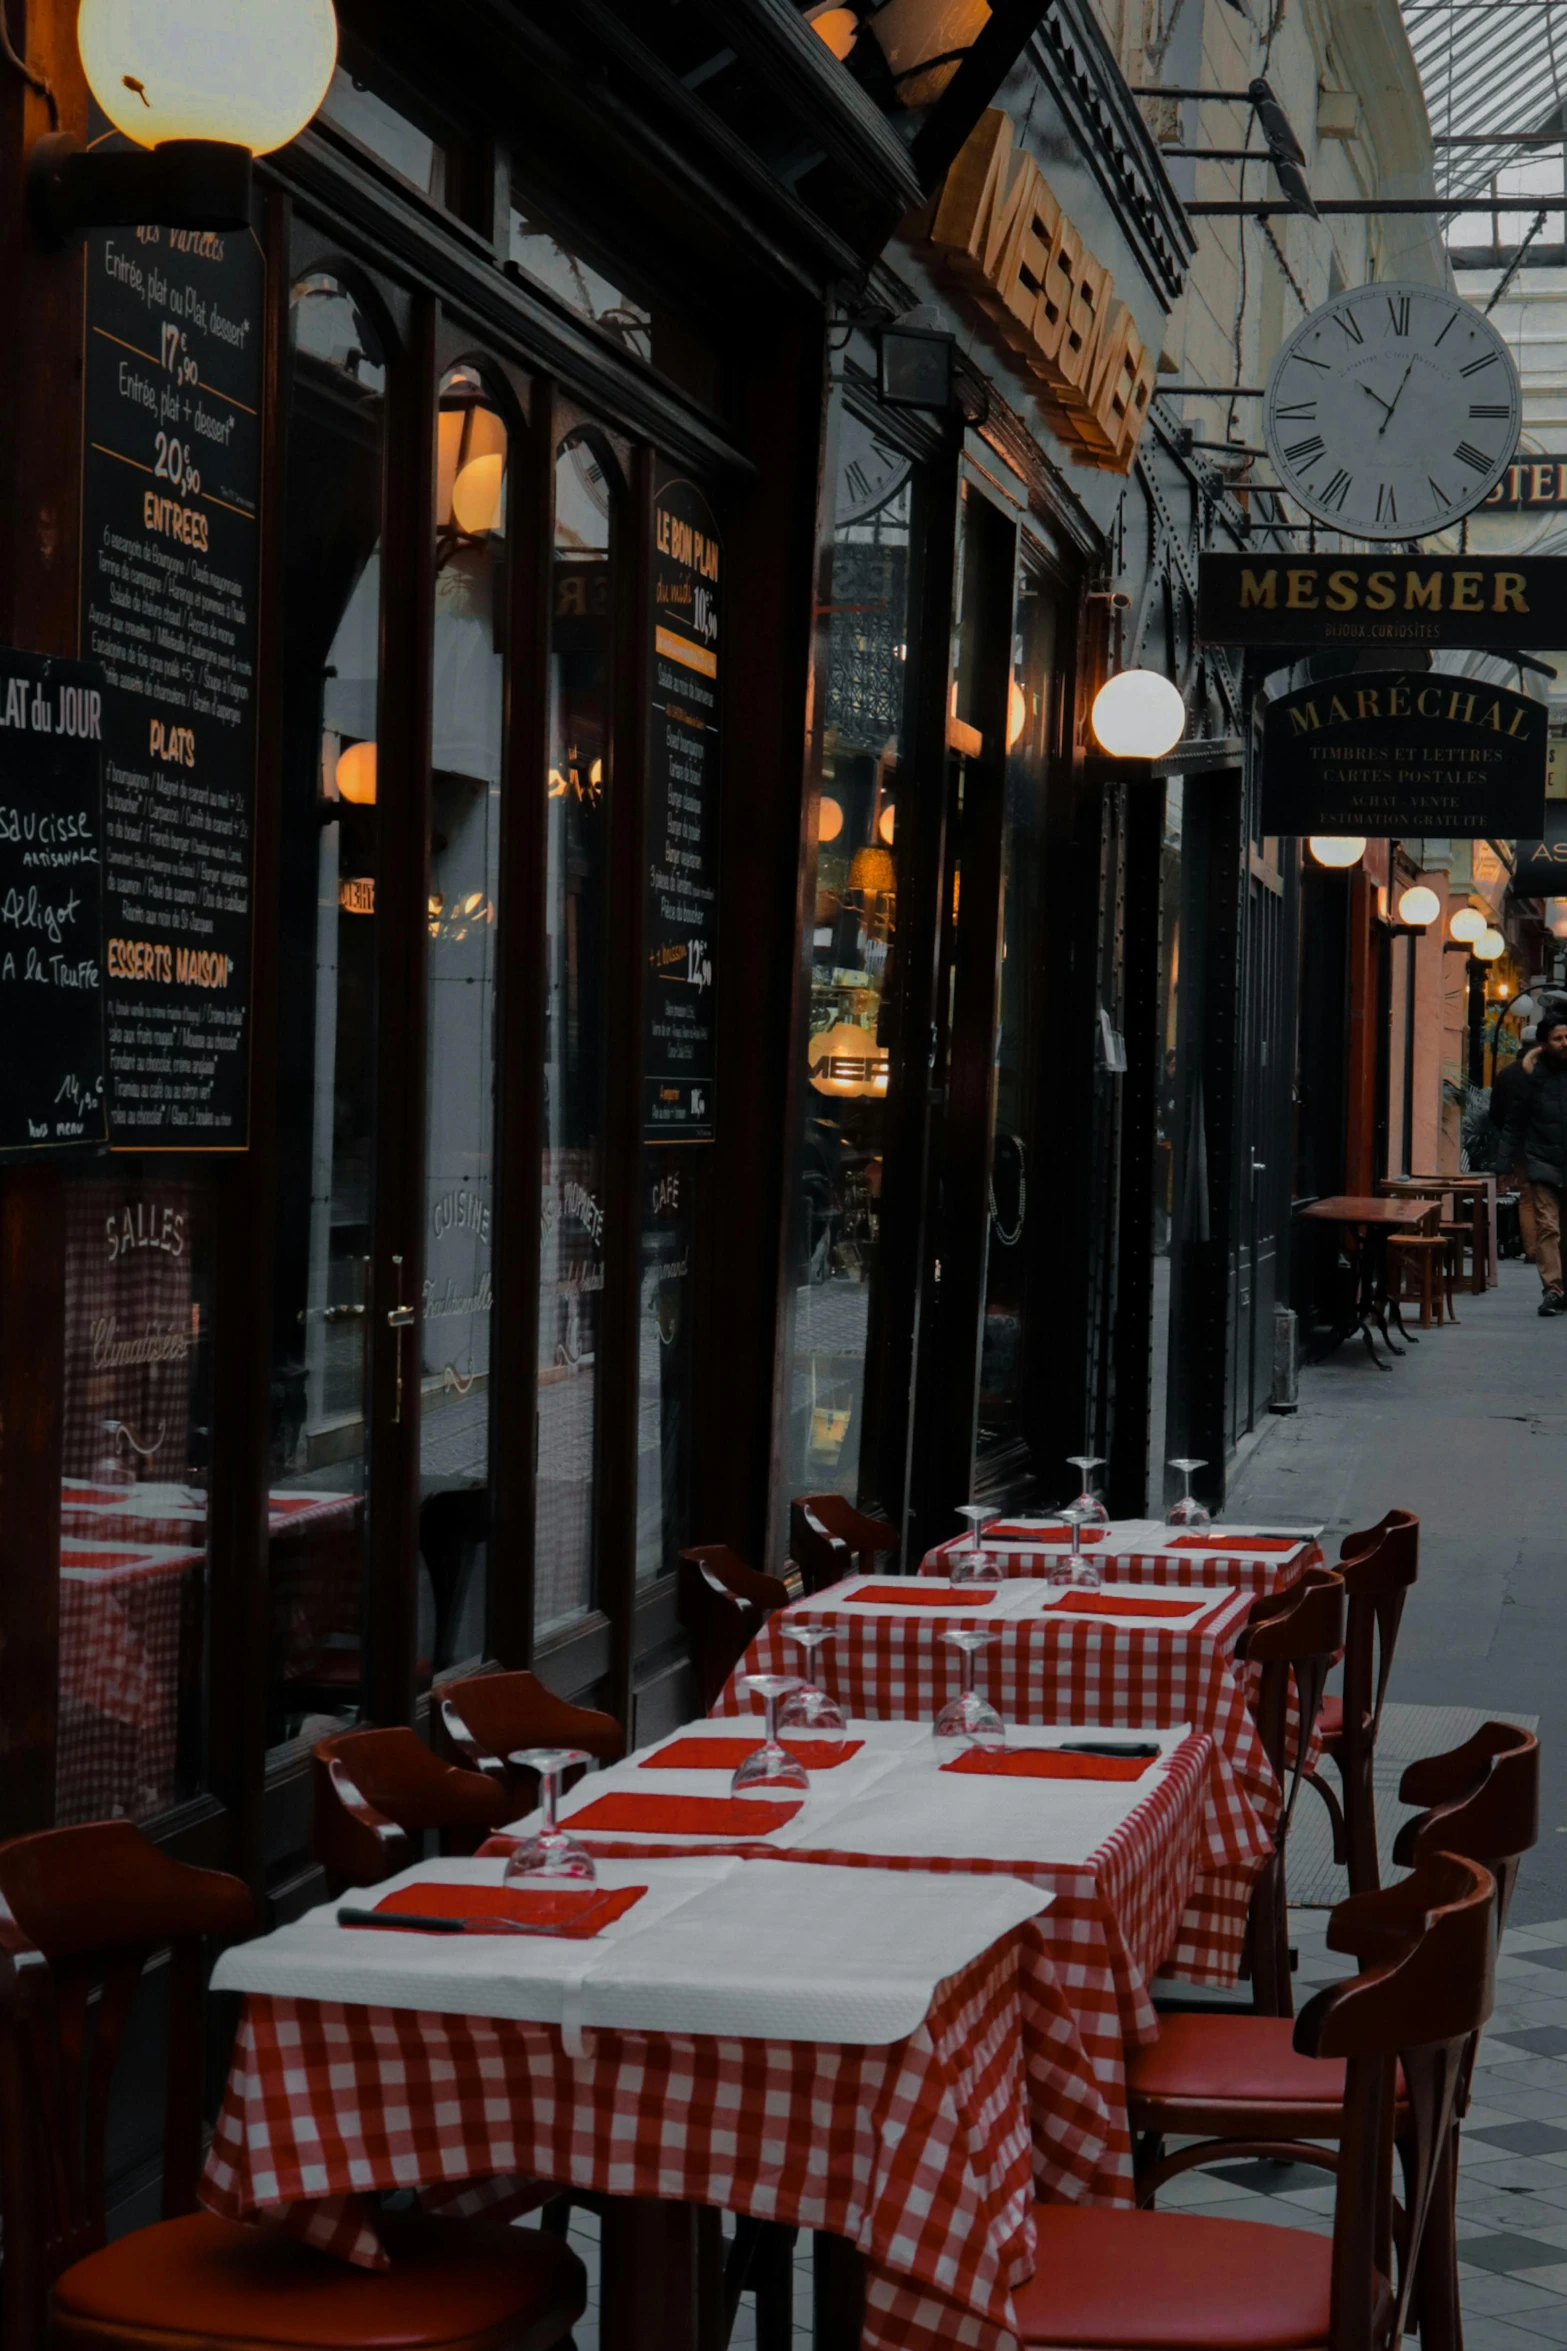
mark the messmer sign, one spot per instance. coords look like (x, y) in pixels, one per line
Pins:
(1404, 751)
(1470, 601)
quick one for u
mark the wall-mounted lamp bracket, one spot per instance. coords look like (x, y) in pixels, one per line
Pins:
(182, 184)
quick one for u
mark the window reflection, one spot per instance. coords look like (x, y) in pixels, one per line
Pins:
(326, 1016)
(854, 938)
(571, 1241)
(469, 670)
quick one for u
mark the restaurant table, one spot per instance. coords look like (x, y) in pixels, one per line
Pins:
(830, 2048)
(1119, 1849)
(1261, 1560)
(1371, 1221)
(131, 1560)
(1480, 1191)
(1131, 1659)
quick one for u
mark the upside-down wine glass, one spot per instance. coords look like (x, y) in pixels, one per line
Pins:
(973, 1564)
(770, 1770)
(551, 1856)
(1088, 1502)
(809, 1708)
(967, 1720)
(1082, 1569)
(1188, 1511)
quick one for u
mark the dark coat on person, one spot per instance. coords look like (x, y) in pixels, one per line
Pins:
(1511, 1080)
(1537, 1125)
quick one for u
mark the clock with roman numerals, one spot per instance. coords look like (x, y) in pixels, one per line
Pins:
(1392, 411)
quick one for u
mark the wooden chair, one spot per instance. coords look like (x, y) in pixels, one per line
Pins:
(481, 1721)
(868, 1538)
(723, 1605)
(1429, 1258)
(1294, 1636)
(81, 1912)
(1234, 2087)
(1378, 1566)
(822, 1557)
(1167, 2281)
(377, 1793)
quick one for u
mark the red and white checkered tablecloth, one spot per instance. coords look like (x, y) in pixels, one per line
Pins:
(917, 2152)
(1088, 1962)
(1258, 1572)
(1054, 1668)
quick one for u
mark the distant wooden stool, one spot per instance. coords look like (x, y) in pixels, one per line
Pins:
(1423, 1254)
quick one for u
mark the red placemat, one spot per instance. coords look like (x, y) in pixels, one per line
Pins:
(72, 1555)
(1113, 1604)
(569, 1911)
(1044, 1763)
(713, 1816)
(1005, 1532)
(919, 1592)
(729, 1754)
(1237, 1542)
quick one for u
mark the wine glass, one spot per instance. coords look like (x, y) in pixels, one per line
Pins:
(1082, 1569)
(967, 1720)
(974, 1564)
(1188, 1511)
(809, 1708)
(551, 1856)
(770, 1770)
(1088, 1502)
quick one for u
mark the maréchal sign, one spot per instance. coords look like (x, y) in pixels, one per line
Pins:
(1406, 752)
(1473, 601)
(1001, 233)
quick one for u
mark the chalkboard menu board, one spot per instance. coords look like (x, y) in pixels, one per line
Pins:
(171, 483)
(51, 1002)
(678, 1042)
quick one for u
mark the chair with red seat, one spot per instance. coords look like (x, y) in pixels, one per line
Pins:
(868, 1538)
(822, 1557)
(1378, 1566)
(377, 1793)
(81, 1912)
(723, 1605)
(1236, 2086)
(481, 1721)
(1156, 2281)
(1294, 1637)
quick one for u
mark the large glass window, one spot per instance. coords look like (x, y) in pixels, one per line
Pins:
(571, 1241)
(326, 1013)
(137, 1420)
(1172, 1116)
(848, 1051)
(469, 671)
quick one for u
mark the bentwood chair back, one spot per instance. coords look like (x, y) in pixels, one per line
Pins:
(868, 1538)
(822, 1557)
(377, 1793)
(1168, 2281)
(1379, 1565)
(723, 1605)
(482, 1720)
(1294, 1637)
(82, 1910)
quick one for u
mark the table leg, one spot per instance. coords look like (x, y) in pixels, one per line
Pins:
(1481, 1270)
(660, 2276)
(839, 2294)
(1373, 1296)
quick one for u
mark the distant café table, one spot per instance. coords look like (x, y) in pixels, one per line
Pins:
(1131, 1659)
(1371, 1221)
(1260, 1560)
(1118, 1843)
(132, 1558)
(1479, 1191)
(836, 2049)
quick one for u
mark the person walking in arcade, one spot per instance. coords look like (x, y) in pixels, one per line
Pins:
(1537, 1135)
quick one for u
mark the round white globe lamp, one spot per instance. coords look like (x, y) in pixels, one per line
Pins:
(250, 73)
(1337, 849)
(1138, 715)
(1419, 906)
(1489, 946)
(1466, 924)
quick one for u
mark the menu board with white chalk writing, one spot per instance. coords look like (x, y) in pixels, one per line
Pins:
(679, 1043)
(171, 485)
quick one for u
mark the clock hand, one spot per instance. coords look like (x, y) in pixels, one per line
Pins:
(1397, 396)
(1376, 396)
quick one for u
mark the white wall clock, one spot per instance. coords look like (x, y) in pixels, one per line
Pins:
(1392, 411)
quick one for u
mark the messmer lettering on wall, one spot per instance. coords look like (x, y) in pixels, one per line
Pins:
(999, 231)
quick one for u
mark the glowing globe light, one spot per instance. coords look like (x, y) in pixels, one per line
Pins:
(356, 775)
(838, 27)
(1489, 946)
(1337, 849)
(476, 494)
(248, 72)
(829, 818)
(1467, 924)
(1138, 715)
(1419, 906)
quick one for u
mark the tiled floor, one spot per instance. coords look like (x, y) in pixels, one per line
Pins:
(1512, 2198)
